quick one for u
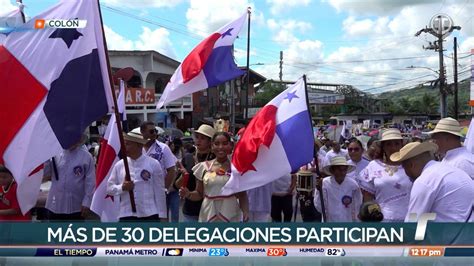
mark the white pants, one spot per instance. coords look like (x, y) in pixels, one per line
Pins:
(259, 217)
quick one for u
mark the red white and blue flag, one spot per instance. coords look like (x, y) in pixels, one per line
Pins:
(209, 64)
(54, 84)
(104, 205)
(278, 141)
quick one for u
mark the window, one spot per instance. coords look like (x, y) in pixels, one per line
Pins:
(159, 86)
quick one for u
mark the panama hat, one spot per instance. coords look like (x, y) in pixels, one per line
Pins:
(413, 149)
(338, 161)
(135, 137)
(206, 130)
(447, 125)
(391, 134)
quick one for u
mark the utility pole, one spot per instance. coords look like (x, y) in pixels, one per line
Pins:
(456, 78)
(281, 65)
(441, 26)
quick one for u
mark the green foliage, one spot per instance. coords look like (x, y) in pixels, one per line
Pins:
(267, 92)
(425, 100)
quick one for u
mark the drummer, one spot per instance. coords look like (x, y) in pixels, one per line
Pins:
(342, 196)
(306, 180)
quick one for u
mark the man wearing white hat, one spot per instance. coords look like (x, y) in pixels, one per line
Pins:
(447, 135)
(438, 187)
(342, 196)
(147, 183)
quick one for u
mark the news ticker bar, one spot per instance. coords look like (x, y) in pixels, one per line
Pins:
(250, 251)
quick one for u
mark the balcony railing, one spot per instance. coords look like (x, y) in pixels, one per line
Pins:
(185, 104)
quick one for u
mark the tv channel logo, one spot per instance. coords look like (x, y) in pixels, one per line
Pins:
(60, 23)
(218, 252)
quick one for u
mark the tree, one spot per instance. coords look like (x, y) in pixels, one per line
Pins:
(429, 104)
(405, 104)
(267, 92)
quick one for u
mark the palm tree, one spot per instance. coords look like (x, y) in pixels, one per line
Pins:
(429, 103)
(405, 104)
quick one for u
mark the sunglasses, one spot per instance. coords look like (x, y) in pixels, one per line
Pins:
(152, 131)
(354, 149)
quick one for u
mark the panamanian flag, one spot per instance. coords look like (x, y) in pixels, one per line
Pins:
(104, 205)
(277, 141)
(54, 84)
(209, 64)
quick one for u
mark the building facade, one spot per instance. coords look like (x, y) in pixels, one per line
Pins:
(152, 72)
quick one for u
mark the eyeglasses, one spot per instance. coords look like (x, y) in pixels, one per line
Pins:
(354, 149)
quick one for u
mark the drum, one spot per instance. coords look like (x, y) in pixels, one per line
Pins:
(304, 181)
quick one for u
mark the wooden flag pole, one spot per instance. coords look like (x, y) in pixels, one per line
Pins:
(321, 198)
(117, 115)
(246, 115)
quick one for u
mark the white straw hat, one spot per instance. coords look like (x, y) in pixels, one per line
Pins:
(135, 137)
(338, 161)
(391, 134)
(413, 149)
(447, 125)
(206, 130)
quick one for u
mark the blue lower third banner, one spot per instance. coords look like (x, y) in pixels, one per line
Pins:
(242, 251)
(308, 234)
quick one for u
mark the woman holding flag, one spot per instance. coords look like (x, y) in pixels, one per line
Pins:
(211, 177)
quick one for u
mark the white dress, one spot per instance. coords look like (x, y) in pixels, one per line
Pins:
(215, 206)
(360, 166)
(341, 201)
(391, 187)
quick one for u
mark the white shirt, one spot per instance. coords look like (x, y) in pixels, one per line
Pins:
(462, 159)
(260, 198)
(361, 165)
(162, 153)
(341, 201)
(391, 187)
(325, 148)
(149, 187)
(281, 185)
(75, 183)
(444, 190)
(322, 153)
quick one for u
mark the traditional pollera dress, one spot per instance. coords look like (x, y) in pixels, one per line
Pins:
(215, 206)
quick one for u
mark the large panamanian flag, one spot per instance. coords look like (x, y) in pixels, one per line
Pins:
(209, 64)
(278, 141)
(54, 84)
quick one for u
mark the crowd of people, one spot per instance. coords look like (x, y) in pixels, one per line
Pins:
(385, 182)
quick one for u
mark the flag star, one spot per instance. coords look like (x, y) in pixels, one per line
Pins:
(290, 96)
(67, 35)
(227, 33)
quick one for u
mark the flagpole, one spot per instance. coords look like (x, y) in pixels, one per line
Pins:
(320, 189)
(116, 113)
(246, 111)
(20, 6)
